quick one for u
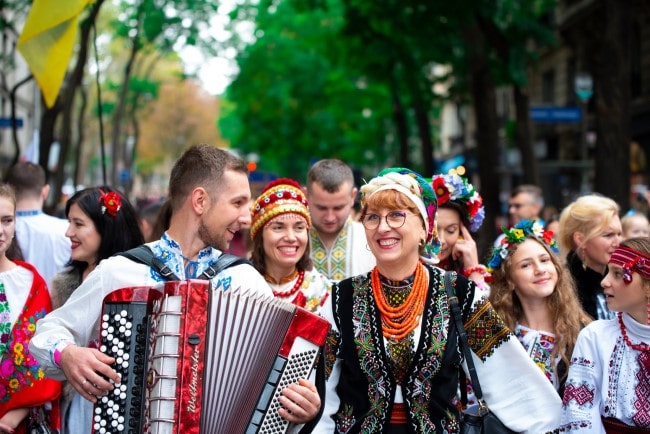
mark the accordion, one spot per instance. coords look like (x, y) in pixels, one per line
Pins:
(197, 361)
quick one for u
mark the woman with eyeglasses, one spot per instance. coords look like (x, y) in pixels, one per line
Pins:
(392, 364)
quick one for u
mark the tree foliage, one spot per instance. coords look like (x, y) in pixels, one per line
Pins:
(294, 102)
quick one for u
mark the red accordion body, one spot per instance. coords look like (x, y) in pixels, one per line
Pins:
(212, 361)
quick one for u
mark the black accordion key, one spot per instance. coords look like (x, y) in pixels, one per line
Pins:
(124, 335)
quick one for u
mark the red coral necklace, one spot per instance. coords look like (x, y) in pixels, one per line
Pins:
(294, 289)
(639, 347)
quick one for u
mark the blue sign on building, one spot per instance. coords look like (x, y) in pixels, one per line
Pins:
(555, 114)
(6, 122)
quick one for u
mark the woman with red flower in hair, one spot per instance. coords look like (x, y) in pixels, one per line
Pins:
(102, 222)
(280, 233)
(460, 213)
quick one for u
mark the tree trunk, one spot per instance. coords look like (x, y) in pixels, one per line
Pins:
(64, 104)
(117, 141)
(484, 97)
(523, 137)
(401, 123)
(612, 101)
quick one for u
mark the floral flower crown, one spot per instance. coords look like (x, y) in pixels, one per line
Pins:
(455, 188)
(517, 234)
(111, 202)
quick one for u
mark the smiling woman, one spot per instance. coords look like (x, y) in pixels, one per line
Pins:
(280, 232)
(392, 360)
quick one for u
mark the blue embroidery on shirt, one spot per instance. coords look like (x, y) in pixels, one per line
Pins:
(223, 283)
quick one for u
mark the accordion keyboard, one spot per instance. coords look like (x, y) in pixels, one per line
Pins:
(285, 371)
(123, 336)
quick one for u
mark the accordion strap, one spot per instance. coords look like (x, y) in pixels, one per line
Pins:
(143, 255)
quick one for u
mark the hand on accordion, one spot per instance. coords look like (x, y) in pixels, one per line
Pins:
(88, 371)
(300, 402)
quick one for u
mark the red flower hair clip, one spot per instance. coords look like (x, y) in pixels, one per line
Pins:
(111, 202)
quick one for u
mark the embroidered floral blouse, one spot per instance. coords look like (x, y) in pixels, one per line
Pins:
(539, 346)
(24, 299)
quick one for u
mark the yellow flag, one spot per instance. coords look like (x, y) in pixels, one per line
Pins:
(47, 40)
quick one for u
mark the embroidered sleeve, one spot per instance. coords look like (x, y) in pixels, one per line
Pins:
(486, 331)
(581, 402)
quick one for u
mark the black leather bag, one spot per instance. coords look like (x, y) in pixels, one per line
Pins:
(476, 419)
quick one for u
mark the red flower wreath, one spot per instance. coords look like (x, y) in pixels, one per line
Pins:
(111, 202)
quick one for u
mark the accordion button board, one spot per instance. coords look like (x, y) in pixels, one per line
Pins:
(124, 336)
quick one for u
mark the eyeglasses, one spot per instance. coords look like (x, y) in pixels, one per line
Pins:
(394, 220)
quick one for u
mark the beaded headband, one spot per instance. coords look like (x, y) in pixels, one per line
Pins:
(630, 261)
(417, 189)
(455, 188)
(111, 202)
(516, 235)
(282, 196)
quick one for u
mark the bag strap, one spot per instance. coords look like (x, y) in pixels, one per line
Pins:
(224, 261)
(462, 335)
(143, 255)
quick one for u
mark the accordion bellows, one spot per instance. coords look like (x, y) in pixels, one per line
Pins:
(198, 361)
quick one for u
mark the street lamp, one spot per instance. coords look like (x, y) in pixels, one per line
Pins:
(583, 86)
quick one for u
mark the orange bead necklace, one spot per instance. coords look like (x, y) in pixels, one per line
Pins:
(397, 322)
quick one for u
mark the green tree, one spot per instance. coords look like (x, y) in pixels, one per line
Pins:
(294, 102)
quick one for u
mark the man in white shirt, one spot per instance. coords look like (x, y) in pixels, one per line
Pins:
(41, 237)
(338, 243)
(209, 195)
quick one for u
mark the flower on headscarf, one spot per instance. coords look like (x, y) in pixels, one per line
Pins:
(111, 202)
(517, 234)
(455, 188)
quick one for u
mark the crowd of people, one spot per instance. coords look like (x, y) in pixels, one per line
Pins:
(557, 316)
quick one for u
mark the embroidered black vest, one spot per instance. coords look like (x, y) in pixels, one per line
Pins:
(367, 386)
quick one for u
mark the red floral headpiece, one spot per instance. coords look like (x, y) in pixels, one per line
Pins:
(111, 202)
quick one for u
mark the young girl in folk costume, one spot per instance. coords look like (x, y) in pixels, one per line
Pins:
(608, 388)
(280, 233)
(393, 358)
(460, 213)
(24, 299)
(102, 222)
(533, 292)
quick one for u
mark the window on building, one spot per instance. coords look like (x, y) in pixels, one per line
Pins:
(548, 87)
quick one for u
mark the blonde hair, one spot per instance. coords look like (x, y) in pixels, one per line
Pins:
(568, 316)
(587, 215)
(628, 220)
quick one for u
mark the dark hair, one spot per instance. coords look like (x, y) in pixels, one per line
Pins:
(258, 257)
(201, 166)
(162, 221)
(27, 179)
(534, 191)
(331, 174)
(118, 233)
